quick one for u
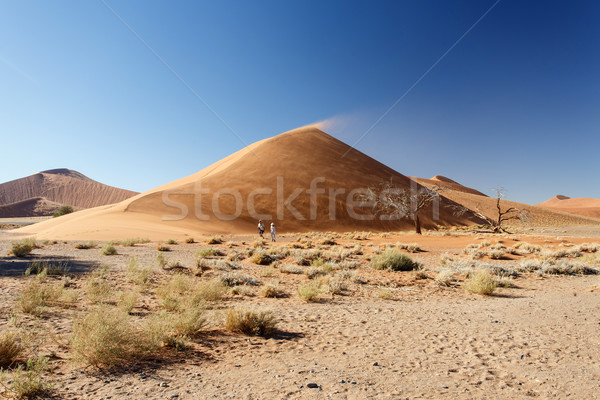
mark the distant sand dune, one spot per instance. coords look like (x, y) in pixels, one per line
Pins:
(44, 192)
(581, 205)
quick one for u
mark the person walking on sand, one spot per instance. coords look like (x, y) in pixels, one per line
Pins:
(273, 232)
(261, 228)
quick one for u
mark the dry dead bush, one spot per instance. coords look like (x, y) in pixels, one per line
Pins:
(393, 260)
(291, 269)
(215, 240)
(445, 277)
(482, 282)
(250, 322)
(10, 348)
(271, 290)
(309, 292)
(237, 278)
(261, 257)
(97, 288)
(105, 337)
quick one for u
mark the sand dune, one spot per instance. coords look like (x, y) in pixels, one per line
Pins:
(581, 205)
(447, 183)
(539, 216)
(59, 186)
(33, 207)
(272, 179)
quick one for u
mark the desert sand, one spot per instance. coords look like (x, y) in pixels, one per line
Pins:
(44, 193)
(388, 335)
(289, 162)
(580, 205)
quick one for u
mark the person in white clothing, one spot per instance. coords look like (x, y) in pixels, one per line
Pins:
(273, 232)
(261, 228)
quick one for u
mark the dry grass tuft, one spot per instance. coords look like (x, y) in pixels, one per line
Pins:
(10, 348)
(393, 260)
(108, 250)
(26, 381)
(250, 322)
(309, 292)
(482, 282)
(105, 337)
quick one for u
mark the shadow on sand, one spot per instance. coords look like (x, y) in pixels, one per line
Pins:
(12, 267)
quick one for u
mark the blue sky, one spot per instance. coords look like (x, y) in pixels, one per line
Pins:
(514, 104)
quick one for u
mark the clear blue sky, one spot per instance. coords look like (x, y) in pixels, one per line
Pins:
(516, 103)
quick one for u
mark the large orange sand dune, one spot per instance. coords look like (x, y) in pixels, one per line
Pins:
(275, 175)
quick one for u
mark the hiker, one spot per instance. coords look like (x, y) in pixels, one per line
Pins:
(273, 232)
(261, 228)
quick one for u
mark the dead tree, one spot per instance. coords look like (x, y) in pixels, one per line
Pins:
(397, 203)
(511, 213)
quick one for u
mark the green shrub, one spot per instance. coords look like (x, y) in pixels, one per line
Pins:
(64, 210)
(171, 241)
(22, 248)
(393, 260)
(108, 250)
(26, 381)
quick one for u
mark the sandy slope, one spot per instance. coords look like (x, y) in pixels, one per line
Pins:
(276, 174)
(580, 205)
(33, 207)
(539, 215)
(61, 186)
(447, 183)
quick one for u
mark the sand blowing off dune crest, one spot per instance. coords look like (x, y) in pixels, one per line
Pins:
(301, 179)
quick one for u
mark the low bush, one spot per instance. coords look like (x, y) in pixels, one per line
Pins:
(189, 240)
(250, 322)
(26, 381)
(261, 258)
(209, 252)
(86, 246)
(10, 348)
(105, 337)
(309, 292)
(291, 269)
(237, 278)
(214, 240)
(64, 210)
(171, 241)
(108, 250)
(393, 260)
(22, 248)
(162, 247)
(482, 282)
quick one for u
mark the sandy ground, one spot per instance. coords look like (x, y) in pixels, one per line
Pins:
(539, 339)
